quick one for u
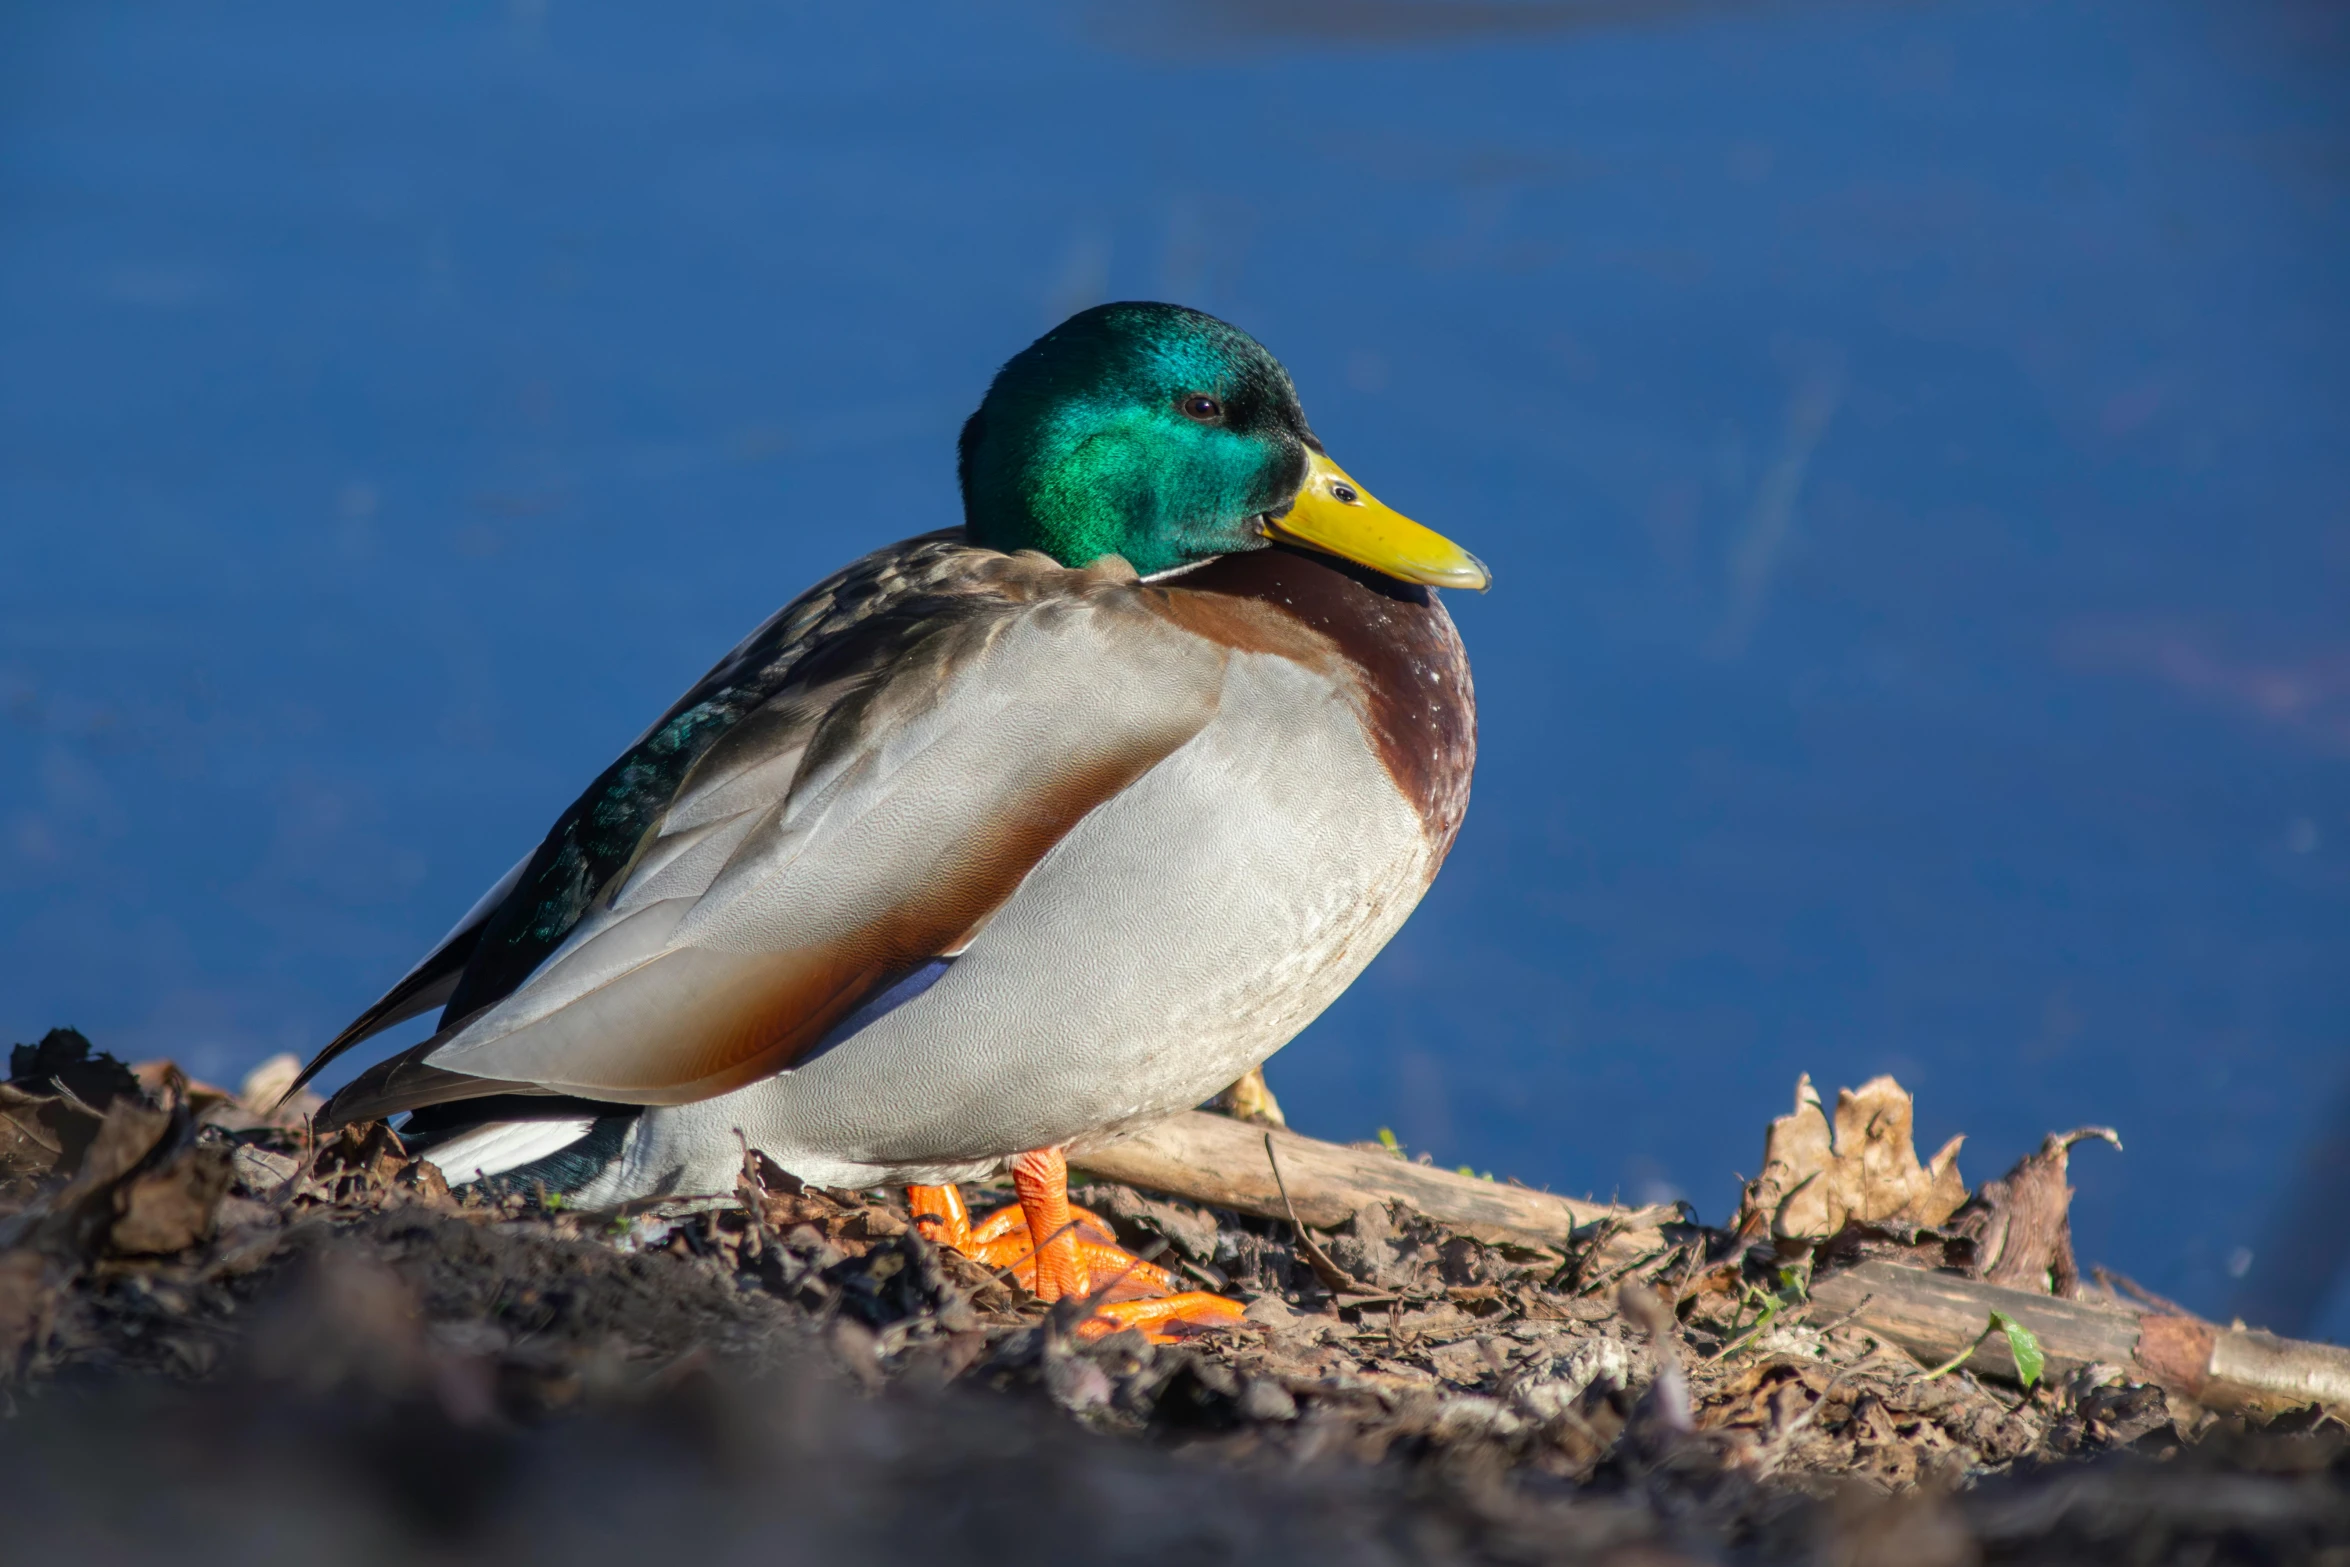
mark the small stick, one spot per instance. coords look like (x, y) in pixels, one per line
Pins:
(1333, 1278)
(2123, 1284)
(1833, 1323)
(1571, 1269)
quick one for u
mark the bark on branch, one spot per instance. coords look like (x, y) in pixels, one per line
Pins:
(1212, 1159)
(1935, 1315)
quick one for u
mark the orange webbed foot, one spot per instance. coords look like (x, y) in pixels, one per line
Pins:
(1167, 1319)
(1079, 1257)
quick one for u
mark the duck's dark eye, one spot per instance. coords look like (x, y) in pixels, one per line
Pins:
(1200, 406)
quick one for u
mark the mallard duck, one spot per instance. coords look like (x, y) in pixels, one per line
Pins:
(1011, 834)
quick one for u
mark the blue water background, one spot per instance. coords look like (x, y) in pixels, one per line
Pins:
(1911, 441)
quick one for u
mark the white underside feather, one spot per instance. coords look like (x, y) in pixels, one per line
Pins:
(499, 1146)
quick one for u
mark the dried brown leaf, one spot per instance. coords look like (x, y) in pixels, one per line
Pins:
(170, 1209)
(128, 1134)
(165, 1084)
(268, 1097)
(1816, 1177)
(2022, 1225)
(360, 1161)
(40, 1135)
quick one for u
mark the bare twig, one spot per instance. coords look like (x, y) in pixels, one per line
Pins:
(1842, 1319)
(2123, 1284)
(1570, 1272)
(1333, 1278)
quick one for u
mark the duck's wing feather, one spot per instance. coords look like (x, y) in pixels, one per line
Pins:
(868, 815)
(535, 906)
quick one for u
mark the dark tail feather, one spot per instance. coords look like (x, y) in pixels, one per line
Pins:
(405, 1082)
(430, 984)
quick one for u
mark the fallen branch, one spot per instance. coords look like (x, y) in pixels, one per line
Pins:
(1212, 1159)
(1936, 1316)
(1932, 1315)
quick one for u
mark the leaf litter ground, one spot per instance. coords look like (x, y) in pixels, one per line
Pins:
(222, 1343)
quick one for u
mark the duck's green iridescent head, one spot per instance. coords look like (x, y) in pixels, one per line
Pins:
(1169, 437)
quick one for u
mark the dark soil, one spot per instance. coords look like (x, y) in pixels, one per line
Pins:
(218, 1343)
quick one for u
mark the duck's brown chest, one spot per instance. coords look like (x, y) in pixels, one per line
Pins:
(1413, 673)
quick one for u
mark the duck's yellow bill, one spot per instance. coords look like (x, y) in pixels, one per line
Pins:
(1336, 514)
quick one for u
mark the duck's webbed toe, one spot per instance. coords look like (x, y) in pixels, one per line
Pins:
(1080, 1256)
